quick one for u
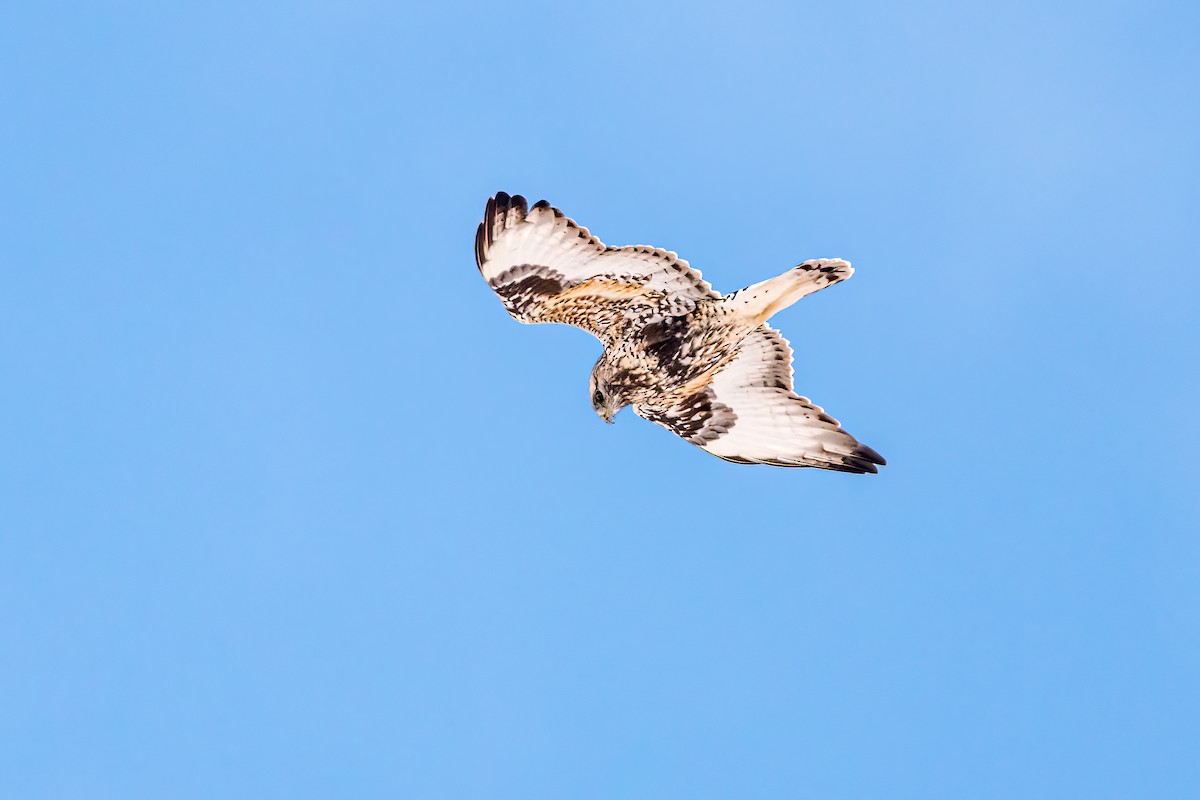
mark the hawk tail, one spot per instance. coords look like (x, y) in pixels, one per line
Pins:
(757, 303)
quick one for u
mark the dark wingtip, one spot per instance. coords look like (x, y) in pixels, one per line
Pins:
(858, 466)
(480, 246)
(505, 202)
(866, 452)
(861, 460)
(489, 214)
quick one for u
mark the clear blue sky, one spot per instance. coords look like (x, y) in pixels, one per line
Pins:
(291, 508)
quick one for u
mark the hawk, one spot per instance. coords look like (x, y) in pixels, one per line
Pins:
(704, 366)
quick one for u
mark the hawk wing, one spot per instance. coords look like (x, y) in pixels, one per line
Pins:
(749, 414)
(546, 268)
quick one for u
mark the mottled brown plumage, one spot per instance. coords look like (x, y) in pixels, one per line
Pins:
(706, 367)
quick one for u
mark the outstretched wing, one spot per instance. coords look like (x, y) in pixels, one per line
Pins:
(749, 414)
(546, 268)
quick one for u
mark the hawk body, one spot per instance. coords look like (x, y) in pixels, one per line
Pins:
(706, 367)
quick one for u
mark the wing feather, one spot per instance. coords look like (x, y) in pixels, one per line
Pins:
(749, 414)
(547, 268)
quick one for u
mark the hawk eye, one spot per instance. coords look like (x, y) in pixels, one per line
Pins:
(597, 398)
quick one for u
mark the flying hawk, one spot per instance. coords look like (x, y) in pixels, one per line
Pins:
(704, 366)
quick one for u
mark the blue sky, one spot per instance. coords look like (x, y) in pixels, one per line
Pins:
(289, 507)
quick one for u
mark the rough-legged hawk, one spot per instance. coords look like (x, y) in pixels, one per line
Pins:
(704, 366)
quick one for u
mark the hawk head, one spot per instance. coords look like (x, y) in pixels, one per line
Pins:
(606, 391)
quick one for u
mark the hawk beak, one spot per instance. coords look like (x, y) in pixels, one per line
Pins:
(609, 414)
